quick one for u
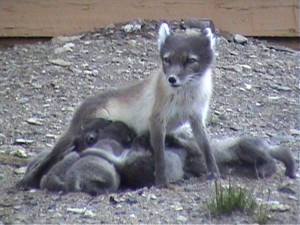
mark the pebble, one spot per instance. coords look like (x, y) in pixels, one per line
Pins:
(240, 39)
(288, 187)
(34, 121)
(280, 87)
(280, 207)
(21, 170)
(132, 216)
(248, 86)
(23, 141)
(64, 39)
(178, 208)
(295, 132)
(152, 197)
(83, 211)
(69, 46)
(87, 72)
(95, 72)
(75, 70)
(247, 67)
(60, 62)
(130, 28)
(182, 219)
(19, 152)
(66, 48)
(52, 136)
(89, 213)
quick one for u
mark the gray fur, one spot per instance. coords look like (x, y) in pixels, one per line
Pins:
(92, 175)
(100, 169)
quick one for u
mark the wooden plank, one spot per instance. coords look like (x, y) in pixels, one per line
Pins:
(44, 18)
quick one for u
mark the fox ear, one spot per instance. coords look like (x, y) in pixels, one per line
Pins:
(208, 33)
(163, 32)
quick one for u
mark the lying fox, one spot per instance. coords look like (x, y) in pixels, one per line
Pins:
(176, 95)
(105, 166)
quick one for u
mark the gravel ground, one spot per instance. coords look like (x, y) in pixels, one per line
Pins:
(256, 92)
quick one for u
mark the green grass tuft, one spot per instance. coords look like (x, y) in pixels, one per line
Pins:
(230, 198)
(227, 199)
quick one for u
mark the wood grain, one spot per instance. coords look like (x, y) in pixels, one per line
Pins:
(44, 18)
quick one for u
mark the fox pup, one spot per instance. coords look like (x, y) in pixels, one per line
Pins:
(247, 156)
(107, 165)
(179, 93)
(86, 135)
(83, 171)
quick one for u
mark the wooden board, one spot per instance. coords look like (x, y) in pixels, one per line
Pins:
(47, 18)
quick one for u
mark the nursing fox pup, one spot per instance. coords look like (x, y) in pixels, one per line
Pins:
(178, 94)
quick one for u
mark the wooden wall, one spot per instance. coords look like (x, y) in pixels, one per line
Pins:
(46, 18)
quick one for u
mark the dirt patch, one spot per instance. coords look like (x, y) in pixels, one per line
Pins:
(256, 92)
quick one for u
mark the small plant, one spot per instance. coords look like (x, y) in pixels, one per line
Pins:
(230, 198)
(234, 197)
(262, 215)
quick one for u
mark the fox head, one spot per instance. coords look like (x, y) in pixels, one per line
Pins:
(185, 56)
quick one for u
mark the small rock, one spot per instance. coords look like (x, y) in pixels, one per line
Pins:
(248, 86)
(240, 39)
(178, 208)
(75, 70)
(271, 98)
(34, 121)
(64, 39)
(295, 132)
(69, 46)
(110, 26)
(21, 170)
(130, 28)
(95, 72)
(237, 68)
(89, 213)
(19, 152)
(119, 206)
(132, 215)
(66, 48)
(76, 210)
(87, 72)
(115, 60)
(280, 87)
(288, 188)
(23, 141)
(52, 136)
(60, 62)
(280, 207)
(247, 67)
(113, 200)
(182, 219)
(152, 197)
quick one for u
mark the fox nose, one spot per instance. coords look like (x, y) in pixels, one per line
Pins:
(172, 80)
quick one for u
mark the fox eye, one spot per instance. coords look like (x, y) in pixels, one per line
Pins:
(191, 60)
(90, 138)
(166, 59)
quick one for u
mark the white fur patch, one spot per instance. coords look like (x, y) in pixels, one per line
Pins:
(211, 37)
(163, 32)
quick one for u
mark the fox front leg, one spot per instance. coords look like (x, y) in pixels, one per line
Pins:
(200, 135)
(157, 137)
